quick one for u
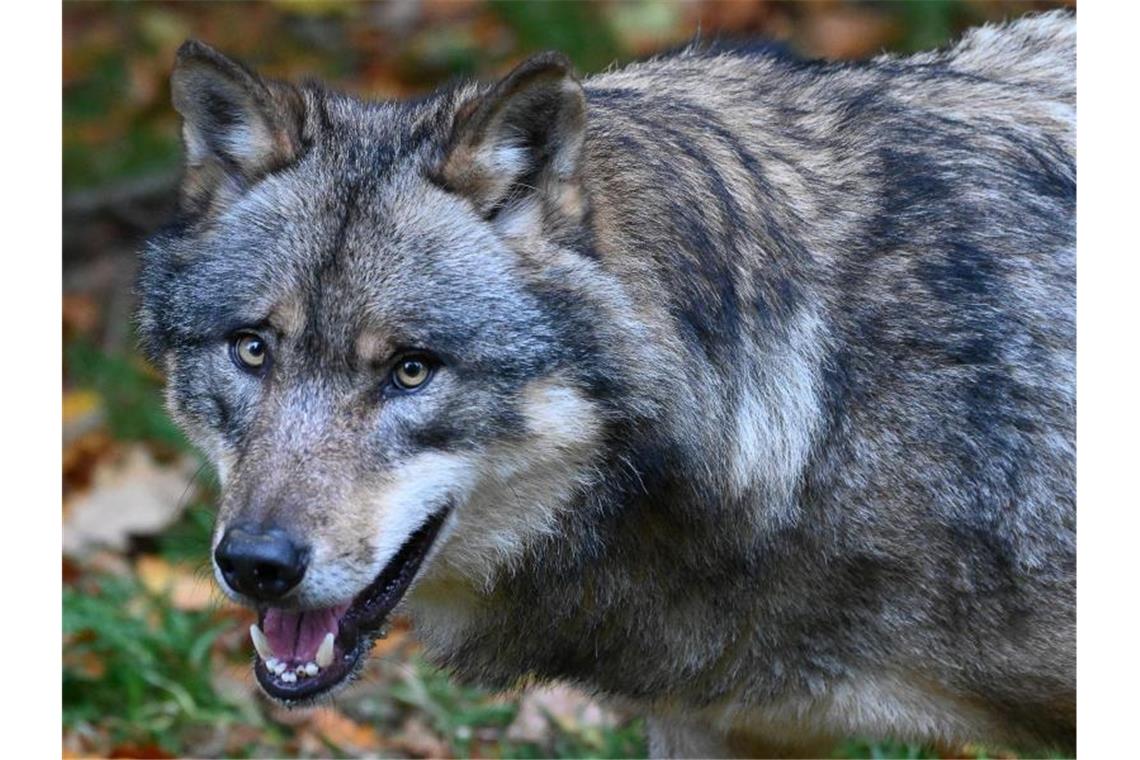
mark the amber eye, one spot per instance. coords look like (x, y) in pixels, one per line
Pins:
(249, 351)
(411, 373)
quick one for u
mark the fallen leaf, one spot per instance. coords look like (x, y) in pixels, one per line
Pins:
(395, 640)
(418, 740)
(139, 751)
(80, 314)
(86, 663)
(186, 588)
(81, 457)
(133, 494)
(107, 563)
(82, 413)
(234, 682)
(344, 732)
(72, 571)
(569, 709)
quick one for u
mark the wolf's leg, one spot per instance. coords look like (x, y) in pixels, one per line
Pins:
(672, 737)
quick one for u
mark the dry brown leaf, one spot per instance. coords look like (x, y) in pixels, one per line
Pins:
(87, 663)
(72, 571)
(80, 314)
(139, 751)
(186, 588)
(133, 494)
(418, 740)
(345, 732)
(392, 643)
(70, 752)
(107, 563)
(568, 708)
(234, 681)
(80, 459)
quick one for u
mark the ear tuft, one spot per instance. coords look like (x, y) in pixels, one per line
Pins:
(236, 126)
(522, 136)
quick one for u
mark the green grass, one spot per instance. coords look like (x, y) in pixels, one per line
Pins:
(137, 671)
(133, 397)
(457, 713)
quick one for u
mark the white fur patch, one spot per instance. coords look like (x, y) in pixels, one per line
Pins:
(420, 488)
(779, 412)
(520, 490)
(522, 487)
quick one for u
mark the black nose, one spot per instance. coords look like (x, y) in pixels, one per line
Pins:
(262, 563)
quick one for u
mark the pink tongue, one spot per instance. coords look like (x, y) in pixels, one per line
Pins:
(296, 636)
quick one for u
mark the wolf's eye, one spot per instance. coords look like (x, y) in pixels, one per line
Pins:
(411, 372)
(249, 351)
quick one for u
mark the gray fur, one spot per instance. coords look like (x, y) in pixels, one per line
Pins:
(757, 395)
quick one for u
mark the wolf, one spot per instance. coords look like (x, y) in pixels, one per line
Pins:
(736, 388)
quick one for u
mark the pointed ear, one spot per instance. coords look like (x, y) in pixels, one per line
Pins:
(520, 138)
(235, 125)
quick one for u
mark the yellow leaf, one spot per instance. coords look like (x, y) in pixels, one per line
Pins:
(186, 589)
(344, 732)
(80, 404)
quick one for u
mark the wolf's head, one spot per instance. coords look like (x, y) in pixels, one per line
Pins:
(384, 325)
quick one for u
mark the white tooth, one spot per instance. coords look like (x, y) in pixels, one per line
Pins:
(310, 669)
(278, 667)
(325, 653)
(289, 677)
(271, 664)
(260, 643)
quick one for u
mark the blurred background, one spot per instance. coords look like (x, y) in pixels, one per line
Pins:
(156, 663)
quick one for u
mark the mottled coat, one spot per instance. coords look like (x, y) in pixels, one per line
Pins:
(755, 387)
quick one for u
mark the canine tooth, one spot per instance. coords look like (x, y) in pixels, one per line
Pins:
(310, 669)
(289, 677)
(277, 668)
(325, 653)
(260, 643)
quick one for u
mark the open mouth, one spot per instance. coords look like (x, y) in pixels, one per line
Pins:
(302, 654)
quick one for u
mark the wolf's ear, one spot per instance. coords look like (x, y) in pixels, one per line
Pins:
(236, 126)
(521, 137)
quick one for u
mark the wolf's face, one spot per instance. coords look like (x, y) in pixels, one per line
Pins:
(371, 327)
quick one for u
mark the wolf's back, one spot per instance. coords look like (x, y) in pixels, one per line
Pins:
(1038, 51)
